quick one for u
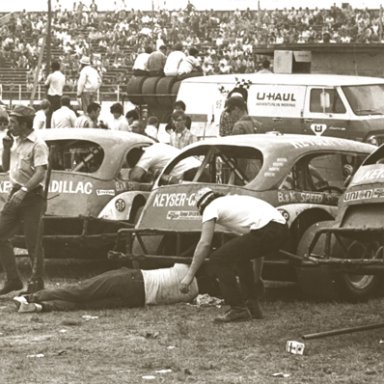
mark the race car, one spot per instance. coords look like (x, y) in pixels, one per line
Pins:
(301, 175)
(90, 195)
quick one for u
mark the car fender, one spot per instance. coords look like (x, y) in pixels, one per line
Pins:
(122, 206)
(292, 211)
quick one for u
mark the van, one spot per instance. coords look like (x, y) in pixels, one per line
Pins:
(350, 107)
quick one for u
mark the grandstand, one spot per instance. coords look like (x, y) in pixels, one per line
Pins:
(228, 41)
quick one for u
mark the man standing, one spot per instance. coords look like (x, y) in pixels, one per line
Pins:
(89, 119)
(261, 229)
(64, 117)
(27, 163)
(40, 119)
(55, 83)
(181, 136)
(88, 84)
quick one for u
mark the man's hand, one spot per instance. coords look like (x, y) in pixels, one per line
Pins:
(185, 283)
(8, 140)
(17, 198)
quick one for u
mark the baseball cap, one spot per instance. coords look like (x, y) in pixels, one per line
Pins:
(22, 111)
(201, 195)
(235, 101)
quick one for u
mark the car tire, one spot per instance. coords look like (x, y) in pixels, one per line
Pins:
(323, 282)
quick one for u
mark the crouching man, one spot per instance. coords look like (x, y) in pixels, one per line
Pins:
(262, 230)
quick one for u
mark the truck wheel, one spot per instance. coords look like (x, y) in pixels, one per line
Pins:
(134, 89)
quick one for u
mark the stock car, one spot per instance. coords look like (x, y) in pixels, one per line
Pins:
(90, 196)
(302, 176)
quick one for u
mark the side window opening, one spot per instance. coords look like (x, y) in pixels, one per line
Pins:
(131, 159)
(326, 101)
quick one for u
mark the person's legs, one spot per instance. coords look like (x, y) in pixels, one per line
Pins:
(124, 284)
(9, 224)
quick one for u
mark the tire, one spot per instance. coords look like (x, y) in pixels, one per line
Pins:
(149, 90)
(134, 89)
(164, 91)
(326, 283)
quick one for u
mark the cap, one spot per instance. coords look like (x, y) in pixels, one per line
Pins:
(201, 195)
(22, 111)
(85, 60)
(235, 101)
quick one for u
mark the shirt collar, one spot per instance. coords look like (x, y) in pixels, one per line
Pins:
(31, 137)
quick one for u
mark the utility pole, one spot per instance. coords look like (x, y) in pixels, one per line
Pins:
(49, 38)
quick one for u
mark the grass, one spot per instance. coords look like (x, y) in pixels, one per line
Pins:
(180, 344)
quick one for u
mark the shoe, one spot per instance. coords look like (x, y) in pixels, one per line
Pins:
(260, 289)
(234, 314)
(35, 284)
(11, 285)
(254, 308)
(30, 307)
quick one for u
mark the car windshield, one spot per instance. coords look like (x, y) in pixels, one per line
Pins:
(365, 99)
(75, 155)
(219, 164)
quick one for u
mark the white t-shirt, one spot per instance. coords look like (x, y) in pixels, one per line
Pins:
(241, 214)
(119, 124)
(157, 156)
(56, 82)
(162, 285)
(64, 117)
(141, 62)
(40, 120)
(172, 64)
(188, 64)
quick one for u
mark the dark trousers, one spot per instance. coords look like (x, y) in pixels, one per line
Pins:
(55, 105)
(234, 259)
(28, 215)
(122, 287)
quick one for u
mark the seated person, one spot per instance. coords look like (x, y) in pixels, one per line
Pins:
(190, 64)
(123, 287)
(155, 158)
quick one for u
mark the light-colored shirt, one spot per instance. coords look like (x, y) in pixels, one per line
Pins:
(85, 121)
(187, 65)
(89, 80)
(26, 155)
(151, 131)
(141, 61)
(64, 117)
(241, 214)
(172, 64)
(162, 285)
(40, 120)
(119, 124)
(56, 82)
(182, 139)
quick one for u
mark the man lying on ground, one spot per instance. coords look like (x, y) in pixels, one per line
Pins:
(123, 287)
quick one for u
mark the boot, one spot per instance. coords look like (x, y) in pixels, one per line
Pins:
(234, 314)
(254, 308)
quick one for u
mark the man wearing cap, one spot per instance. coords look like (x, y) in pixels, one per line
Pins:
(236, 108)
(88, 84)
(26, 160)
(261, 230)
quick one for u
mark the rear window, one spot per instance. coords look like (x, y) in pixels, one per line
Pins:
(221, 164)
(75, 155)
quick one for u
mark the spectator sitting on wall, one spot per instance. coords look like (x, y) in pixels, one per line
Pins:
(64, 117)
(174, 60)
(156, 61)
(140, 66)
(190, 64)
(118, 121)
(40, 119)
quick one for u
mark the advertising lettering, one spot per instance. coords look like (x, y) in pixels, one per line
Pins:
(364, 194)
(5, 186)
(71, 187)
(173, 200)
(369, 174)
(299, 197)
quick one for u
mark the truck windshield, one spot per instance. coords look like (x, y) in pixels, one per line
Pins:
(365, 99)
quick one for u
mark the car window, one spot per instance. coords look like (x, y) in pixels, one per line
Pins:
(333, 104)
(221, 164)
(75, 155)
(328, 172)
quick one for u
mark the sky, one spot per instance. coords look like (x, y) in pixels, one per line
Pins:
(41, 5)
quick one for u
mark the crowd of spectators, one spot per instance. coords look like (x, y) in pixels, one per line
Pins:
(225, 39)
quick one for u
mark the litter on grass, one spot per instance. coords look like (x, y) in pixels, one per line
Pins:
(37, 355)
(295, 347)
(89, 317)
(281, 374)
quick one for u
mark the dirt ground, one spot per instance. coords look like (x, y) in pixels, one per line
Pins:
(179, 343)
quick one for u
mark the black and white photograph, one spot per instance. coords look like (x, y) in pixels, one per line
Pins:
(191, 192)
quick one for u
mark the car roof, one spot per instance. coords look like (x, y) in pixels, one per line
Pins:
(289, 79)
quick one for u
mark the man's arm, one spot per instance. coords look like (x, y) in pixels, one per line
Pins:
(6, 156)
(136, 174)
(81, 83)
(202, 250)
